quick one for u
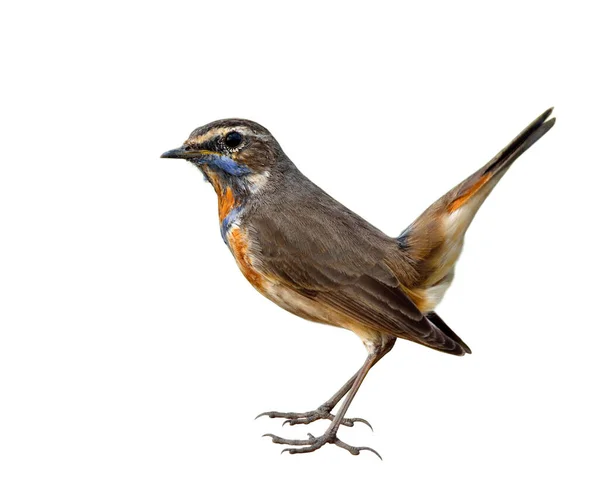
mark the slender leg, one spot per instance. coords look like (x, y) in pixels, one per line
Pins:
(323, 412)
(330, 436)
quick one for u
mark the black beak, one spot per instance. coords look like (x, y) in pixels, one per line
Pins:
(180, 153)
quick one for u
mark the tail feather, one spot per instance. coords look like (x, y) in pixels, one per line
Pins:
(434, 241)
(434, 318)
(496, 168)
(522, 142)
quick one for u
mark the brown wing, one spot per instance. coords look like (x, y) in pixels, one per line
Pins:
(326, 253)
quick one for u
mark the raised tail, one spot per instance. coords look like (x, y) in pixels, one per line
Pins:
(434, 241)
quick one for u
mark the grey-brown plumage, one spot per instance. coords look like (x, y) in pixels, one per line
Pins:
(315, 258)
(328, 254)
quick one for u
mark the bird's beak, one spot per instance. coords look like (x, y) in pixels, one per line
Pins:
(179, 153)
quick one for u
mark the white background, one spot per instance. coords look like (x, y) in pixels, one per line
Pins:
(134, 355)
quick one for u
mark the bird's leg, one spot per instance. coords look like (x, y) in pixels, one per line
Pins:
(323, 412)
(330, 436)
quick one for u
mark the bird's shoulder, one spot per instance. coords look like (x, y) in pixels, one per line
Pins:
(300, 217)
(301, 235)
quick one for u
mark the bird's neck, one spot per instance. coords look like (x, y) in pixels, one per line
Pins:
(233, 194)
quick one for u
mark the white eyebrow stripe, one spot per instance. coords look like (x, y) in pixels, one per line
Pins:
(214, 132)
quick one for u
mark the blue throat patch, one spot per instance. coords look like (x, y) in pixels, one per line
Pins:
(229, 167)
(225, 164)
(227, 221)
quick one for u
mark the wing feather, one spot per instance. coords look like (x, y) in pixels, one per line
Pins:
(329, 266)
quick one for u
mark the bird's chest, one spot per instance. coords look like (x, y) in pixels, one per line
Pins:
(240, 244)
(233, 232)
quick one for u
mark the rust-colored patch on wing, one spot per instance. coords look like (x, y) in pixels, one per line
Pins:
(226, 203)
(239, 246)
(464, 198)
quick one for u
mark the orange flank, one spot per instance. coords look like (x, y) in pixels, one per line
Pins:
(226, 203)
(464, 198)
(239, 247)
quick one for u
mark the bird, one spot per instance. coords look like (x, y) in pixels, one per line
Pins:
(315, 258)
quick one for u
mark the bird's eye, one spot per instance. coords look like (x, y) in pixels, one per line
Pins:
(233, 139)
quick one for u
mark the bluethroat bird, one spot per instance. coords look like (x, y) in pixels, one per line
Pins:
(312, 256)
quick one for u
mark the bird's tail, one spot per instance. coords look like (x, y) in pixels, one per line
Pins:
(434, 241)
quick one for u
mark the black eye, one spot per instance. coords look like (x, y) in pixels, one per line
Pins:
(233, 139)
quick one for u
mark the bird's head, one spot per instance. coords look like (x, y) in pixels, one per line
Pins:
(232, 153)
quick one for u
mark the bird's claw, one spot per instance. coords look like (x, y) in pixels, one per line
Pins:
(313, 443)
(321, 413)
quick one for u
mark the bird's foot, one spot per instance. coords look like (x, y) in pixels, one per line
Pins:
(313, 443)
(321, 413)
